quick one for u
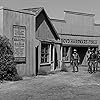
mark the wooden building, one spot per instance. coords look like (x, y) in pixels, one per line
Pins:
(41, 43)
(77, 31)
(34, 39)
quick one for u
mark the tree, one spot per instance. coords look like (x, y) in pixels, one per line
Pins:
(8, 69)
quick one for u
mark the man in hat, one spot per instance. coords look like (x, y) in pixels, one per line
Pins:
(88, 59)
(93, 61)
(75, 59)
(97, 52)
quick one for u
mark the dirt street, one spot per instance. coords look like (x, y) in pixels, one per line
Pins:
(59, 86)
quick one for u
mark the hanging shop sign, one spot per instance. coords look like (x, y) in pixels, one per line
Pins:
(19, 36)
(79, 41)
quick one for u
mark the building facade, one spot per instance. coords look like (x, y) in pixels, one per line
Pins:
(41, 43)
(34, 39)
(77, 31)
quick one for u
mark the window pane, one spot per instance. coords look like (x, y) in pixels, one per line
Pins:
(44, 53)
(65, 50)
(47, 58)
(42, 60)
(42, 50)
(64, 53)
(46, 50)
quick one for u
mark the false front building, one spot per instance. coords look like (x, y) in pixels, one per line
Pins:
(41, 43)
(77, 31)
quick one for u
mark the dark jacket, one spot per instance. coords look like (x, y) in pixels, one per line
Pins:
(93, 57)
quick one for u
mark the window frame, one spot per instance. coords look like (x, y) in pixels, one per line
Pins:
(64, 53)
(45, 54)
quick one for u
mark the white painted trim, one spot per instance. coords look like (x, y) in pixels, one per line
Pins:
(52, 64)
(50, 54)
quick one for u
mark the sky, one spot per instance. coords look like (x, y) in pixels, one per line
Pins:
(55, 8)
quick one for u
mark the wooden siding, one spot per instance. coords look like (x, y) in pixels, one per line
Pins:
(44, 32)
(97, 30)
(11, 18)
(79, 24)
(40, 18)
(1, 21)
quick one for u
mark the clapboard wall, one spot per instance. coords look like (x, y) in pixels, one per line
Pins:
(79, 23)
(21, 18)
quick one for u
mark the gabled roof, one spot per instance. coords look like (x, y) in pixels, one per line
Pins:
(37, 11)
(16, 10)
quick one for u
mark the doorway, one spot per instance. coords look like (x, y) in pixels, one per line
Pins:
(36, 59)
(55, 59)
(82, 50)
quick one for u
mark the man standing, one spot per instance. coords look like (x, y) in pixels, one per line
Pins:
(92, 62)
(88, 59)
(75, 59)
(96, 60)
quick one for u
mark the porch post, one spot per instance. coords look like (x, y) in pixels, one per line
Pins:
(61, 56)
(50, 54)
(53, 61)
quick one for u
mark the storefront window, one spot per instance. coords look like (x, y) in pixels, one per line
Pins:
(45, 53)
(64, 53)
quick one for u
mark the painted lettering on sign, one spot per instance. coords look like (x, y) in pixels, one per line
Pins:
(19, 43)
(77, 41)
